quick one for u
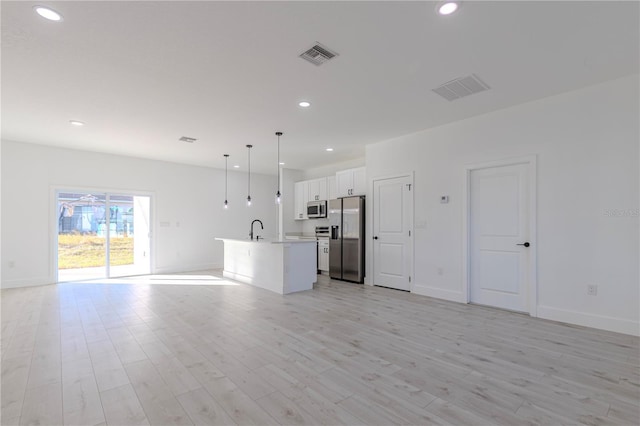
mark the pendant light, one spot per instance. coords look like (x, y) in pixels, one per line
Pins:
(226, 172)
(249, 176)
(278, 194)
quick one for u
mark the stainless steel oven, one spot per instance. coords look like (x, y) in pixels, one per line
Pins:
(316, 209)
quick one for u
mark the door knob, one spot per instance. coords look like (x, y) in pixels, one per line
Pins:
(524, 244)
(375, 238)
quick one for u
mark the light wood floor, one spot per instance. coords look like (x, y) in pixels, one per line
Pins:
(89, 354)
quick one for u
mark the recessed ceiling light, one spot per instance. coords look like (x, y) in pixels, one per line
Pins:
(236, 166)
(447, 7)
(76, 123)
(329, 149)
(304, 104)
(47, 13)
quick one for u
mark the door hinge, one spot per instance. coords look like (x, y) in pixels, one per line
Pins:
(409, 278)
(409, 233)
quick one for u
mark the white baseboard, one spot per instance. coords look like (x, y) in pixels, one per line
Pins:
(438, 293)
(38, 281)
(27, 282)
(186, 268)
(602, 322)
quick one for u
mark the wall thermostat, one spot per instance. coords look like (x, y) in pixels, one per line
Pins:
(444, 199)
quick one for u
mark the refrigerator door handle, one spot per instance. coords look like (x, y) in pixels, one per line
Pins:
(335, 234)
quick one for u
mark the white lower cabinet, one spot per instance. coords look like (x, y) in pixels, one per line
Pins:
(323, 255)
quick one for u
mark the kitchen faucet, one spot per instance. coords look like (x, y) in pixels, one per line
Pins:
(251, 233)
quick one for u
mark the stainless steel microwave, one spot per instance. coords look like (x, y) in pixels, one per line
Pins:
(316, 209)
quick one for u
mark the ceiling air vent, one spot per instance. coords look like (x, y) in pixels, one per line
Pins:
(187, 139)
(461, 87)
(318, 54)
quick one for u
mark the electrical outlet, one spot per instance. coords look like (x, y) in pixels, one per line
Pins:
(592, 290)
(440, 271)
(12, 264)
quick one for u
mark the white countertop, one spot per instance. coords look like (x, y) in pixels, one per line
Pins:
(267, 241)
(300, 236)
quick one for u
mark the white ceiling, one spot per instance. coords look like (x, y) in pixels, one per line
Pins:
(143, 74)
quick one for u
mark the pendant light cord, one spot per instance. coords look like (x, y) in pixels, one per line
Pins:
(226, 180)
(278, 134)
(249, 178)
(226, 175)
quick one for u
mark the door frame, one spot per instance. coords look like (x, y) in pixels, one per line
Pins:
(53, 221)
(532, 287)
(411, 176)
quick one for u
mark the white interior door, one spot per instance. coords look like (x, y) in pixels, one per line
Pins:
(499, 231)
(392, 221)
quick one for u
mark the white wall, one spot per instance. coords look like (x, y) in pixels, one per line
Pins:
(188, 195)
(586, 144)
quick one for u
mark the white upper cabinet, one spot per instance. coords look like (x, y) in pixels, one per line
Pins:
(300, 199)
(351, 182)
(332, 190)
(344, 184)
(359, 181)
(317, 189)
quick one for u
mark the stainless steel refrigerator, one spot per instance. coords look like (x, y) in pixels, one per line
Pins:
(346, 242)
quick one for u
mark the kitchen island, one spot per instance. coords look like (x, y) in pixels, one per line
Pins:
(282, 266)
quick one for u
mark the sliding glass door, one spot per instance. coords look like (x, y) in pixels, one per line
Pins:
(129, 235)
(82, 244)
(102, 235)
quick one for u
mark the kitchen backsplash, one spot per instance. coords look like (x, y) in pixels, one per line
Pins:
(309, 225)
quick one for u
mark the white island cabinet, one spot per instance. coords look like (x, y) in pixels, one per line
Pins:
(282, 266)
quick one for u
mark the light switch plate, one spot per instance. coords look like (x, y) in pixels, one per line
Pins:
(444, 199)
